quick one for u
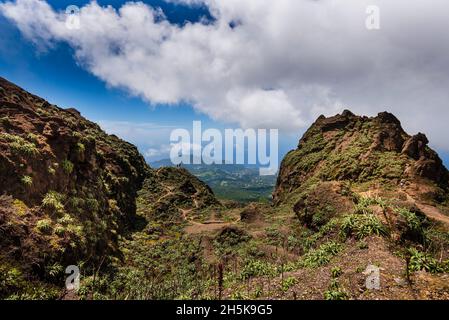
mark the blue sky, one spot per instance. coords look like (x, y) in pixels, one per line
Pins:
(56, 75)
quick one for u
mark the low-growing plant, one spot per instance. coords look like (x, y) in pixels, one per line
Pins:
(20, 145)
(53, 200)
(67, 166)
(51, 170)
(415, 225)
(44, 226)
(320, 256)
(286, 284)
(92, 204)
(60, 230)
(27, 181)
(5, 121)
(336, 272)
(362, 226)
(335, 291)
(257, 268)
(32, 137)
(54, 270)
(20, 206)
(65, 220)
(424, 261)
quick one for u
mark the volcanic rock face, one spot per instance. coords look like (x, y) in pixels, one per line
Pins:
(71, 185)
(68, 190)
(351, 148)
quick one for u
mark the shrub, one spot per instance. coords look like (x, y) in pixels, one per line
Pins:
(20, 206)
(335, 292)
(53, 200)
(320, 256)
(51, 171)
(336, 272)
(65, 220)
(257, 268)
(44, 226)
(67, 166)
(32, 137)
(415, 229)
(424, 261)
(27, 181)
(288, 283)
(20, 145)
(362, 226)
(60, 230)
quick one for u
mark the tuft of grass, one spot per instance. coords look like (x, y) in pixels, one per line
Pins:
(67, 166)
(60, 230)
(336, 272)
(27, 181)
(44, 226)
(53, 200)
(5, 121)
(335, 291)
(20, 206)
(19, 145)
(33, 137)
(257, 268)
(286, 284)
(424, 261)
(362, 226)
(320, 256)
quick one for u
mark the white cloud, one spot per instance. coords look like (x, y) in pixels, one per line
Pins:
(286, 62)
(162, 151)
(137, 133)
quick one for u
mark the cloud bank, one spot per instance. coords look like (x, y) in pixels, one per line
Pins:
(266, 64)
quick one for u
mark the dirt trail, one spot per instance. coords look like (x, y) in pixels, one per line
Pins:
(208, 226)
(430, 211)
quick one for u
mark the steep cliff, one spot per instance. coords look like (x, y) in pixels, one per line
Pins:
(68, 192)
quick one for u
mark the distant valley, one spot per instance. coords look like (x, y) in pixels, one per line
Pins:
(231, 181)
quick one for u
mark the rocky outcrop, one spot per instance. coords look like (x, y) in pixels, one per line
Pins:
(170, 194)
(358, 149)
(68, 190)
(71, 185)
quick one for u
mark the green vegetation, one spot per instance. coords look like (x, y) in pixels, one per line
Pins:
(44, 226)
(27, 181)
(19, 145)
(286, 284)
(362, 226)
(424, 261)
(33, 138)
(14, 285)
(321, 256)
(67, 166)
(257, 268)
(335, 291)
(53, 200)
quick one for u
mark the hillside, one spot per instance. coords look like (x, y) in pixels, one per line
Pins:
(68, 193)
(359, 197)
(231, 181)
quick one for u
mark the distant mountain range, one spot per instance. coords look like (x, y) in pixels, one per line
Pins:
(230, 181)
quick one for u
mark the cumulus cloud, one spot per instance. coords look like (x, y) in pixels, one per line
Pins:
(264, 63)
